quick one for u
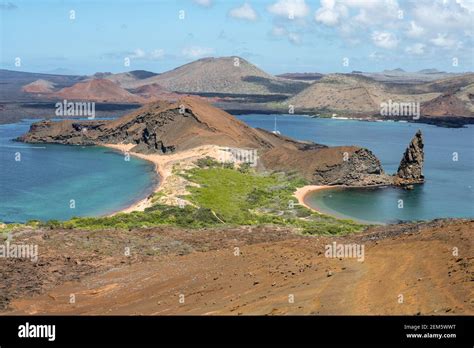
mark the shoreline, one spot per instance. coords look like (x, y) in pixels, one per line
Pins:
(443, 122)
(163, 160)
(143, 203)
(173, 186)
(302, 193)
(437, 121)
(163, 167)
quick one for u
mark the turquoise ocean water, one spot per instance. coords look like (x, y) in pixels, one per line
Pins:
(42, 184)
(449, 187)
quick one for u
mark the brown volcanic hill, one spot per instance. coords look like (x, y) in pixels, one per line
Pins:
(399, 76)
(191, 122)
(12, 83)
(448, 84)
(457, 103)
(157, 127)
(340, 92)
(150, 90)
(221, 76)
(39, 87)
(352, 93)
(166, 127)
(100, 90)
(456, 98)
(125, 79)
(155, 92)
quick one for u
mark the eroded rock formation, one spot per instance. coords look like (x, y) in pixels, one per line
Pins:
(410, 170)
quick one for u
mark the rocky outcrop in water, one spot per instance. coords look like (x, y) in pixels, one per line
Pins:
(410, 170)
(339, 165)
(360, 168)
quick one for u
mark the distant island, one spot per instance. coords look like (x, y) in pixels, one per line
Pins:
(238, 86)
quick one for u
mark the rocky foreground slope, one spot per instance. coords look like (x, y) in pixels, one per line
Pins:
(167, 127)
(407, 269)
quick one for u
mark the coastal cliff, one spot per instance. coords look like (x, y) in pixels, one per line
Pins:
(169, 127)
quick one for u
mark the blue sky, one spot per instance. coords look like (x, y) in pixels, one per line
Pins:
(277, 35)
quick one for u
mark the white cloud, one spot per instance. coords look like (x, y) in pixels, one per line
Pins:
(362, 17)
(245, 12)
(373, 11)
(415, 30)
(194, 52)
(327, 16)
(443, 17)
(139, 53)
(442, 40)
(367, 4)
(467, 4)
(417, 48)
(358, 15)
(449, 25)
(384, 39)
(205, 3)
(355, 17)
(387, 22)
(157, 54)
(330, 13)
(289, 8)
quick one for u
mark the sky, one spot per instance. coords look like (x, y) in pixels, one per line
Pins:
(88, 36)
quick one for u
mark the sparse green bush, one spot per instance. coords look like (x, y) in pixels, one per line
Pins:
(207, 162)
(244, 168)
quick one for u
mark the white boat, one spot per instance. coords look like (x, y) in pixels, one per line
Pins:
(275, 131)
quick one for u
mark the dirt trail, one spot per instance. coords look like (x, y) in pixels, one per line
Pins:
(276, 272)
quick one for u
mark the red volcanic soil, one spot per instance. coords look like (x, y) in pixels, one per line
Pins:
(414, 261)
(155, 92)
(105, 90)
(446, 105)
(100, 90)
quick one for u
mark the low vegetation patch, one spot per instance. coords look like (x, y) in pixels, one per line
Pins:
(225, 195)
(243, 197)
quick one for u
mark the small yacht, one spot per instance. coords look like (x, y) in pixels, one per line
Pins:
(275, 131)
